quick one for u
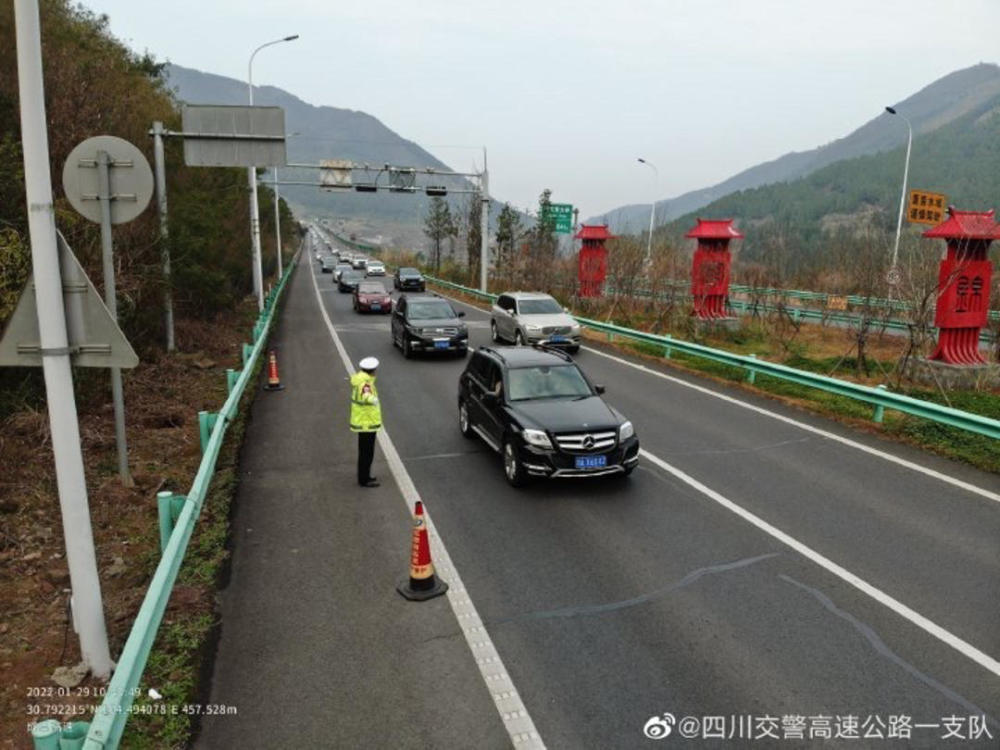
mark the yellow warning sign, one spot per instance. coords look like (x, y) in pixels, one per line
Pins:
(926, 208)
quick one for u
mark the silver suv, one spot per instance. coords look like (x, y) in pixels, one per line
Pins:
(531, 317)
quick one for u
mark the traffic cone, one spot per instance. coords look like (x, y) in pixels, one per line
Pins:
(273, 381)
(423, 584)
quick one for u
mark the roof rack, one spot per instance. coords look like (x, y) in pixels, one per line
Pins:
(545, 346)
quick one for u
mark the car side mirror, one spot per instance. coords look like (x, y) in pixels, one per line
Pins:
(491, 398)
(461, 314)
(599, 389)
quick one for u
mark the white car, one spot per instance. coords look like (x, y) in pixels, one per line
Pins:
(375, 268)
(532, 317)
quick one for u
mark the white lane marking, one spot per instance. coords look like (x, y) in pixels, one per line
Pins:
(966, 649)
(988, 494)
(507, 700)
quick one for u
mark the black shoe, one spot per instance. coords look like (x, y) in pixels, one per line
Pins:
(371, 483)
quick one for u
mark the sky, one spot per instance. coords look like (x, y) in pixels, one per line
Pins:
(568, 95)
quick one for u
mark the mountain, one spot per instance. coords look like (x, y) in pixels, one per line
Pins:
(331, 133)
(944, 101)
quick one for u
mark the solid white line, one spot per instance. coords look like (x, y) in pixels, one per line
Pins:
(963, 647)
(995, 497)
(507, 700)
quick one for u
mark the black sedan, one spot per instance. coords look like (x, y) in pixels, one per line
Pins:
(348, 280)
(428, 324)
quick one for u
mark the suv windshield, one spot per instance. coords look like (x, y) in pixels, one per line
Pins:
(538, 306)
(429, 310)
(370, 287)
(558, 381)
(409, 272)
(352, 275)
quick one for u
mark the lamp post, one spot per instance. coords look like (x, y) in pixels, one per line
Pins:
(894, 276)
(652, 211)
(258, 275)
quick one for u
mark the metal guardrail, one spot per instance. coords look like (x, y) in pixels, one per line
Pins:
(880, 398)
(178, 515)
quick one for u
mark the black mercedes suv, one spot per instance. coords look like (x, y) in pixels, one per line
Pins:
(428, 324)
(537, 409)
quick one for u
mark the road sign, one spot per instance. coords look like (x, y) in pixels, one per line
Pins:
(95, 340)
(926, 208)
(222, 136)
(561, 216)
(130, 176)
(335, 173)
(836, 302)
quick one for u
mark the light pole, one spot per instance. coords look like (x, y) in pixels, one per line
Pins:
(258, 275)
(277, 214)
(652, 210)
(894, 276)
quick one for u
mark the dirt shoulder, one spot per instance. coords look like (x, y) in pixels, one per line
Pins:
(162, 400)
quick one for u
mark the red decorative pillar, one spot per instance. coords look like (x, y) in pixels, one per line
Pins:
(963, 288)
(710, 267)
(593, 259)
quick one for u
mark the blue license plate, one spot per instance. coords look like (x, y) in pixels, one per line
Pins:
(440, 344)
(557, 339)
(376, 307)
(591, 462)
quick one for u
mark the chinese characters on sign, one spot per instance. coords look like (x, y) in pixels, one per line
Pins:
(926, 208)
(560, 215)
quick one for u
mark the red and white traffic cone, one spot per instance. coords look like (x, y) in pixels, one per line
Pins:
(423, 584)
(273, 381)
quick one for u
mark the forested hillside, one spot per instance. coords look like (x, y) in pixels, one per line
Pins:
(94, 85)
(961, 159)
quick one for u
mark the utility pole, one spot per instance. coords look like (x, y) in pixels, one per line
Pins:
(88, 613)
(484, 228)
(160, 170)
(277, 222)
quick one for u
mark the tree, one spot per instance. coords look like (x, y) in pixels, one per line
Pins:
(473, 234)
(542, 243)
(509, 231)
(437, 226)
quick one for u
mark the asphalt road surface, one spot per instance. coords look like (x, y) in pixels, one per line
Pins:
(765, 578)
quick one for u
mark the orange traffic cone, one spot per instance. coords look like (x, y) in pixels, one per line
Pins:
(423, 584)
(273, 381)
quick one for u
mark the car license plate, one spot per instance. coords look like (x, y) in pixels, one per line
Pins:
(376, 307)
(591, 462)
(557, 339)
(440, 344)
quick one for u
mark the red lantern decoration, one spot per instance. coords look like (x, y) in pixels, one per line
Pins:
(592, 267)
(710, 267)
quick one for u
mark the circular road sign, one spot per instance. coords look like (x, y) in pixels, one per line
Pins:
(129, 174)
(894, 276)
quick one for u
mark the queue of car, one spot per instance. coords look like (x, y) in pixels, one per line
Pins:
(524, 396)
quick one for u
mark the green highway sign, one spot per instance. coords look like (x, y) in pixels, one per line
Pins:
(561, 216)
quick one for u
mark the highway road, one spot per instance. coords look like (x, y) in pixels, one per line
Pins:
(765, 578)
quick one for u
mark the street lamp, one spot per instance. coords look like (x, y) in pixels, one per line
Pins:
(894, 276)
(258, 275)
(652, 211)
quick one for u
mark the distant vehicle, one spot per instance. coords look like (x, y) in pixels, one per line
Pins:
(428, 324)
(408, 279)
(349, 280)
(359, 263)
(327, 263)
(339, 269)
(536, 408)
(371, 296)
(375, 268)
(532, 317)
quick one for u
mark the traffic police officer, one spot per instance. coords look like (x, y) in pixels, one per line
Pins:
(366, 418)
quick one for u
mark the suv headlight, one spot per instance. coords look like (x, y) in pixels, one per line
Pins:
(533, 328)
(626, 431)
(537, 438)
(574, 329)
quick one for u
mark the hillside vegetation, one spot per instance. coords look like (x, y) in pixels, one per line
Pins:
(858, 195)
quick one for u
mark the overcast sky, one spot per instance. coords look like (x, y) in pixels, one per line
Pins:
(566, 95)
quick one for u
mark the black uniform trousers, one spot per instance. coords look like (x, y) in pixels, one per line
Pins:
(366, 452)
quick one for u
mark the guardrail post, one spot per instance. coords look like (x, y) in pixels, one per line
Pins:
(168, 507)
(668, 350)
(231, 377)
(206, 423)
(879, 412)
(246, 353)
(751, 372)
(45, 735)
(796, 312)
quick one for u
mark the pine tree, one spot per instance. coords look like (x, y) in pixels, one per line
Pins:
(437, 226)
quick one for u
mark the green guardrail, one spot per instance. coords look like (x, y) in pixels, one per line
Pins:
(178, 515)
(363, 247)
(880, 397)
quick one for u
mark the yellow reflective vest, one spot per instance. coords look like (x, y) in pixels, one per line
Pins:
(366, 414)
